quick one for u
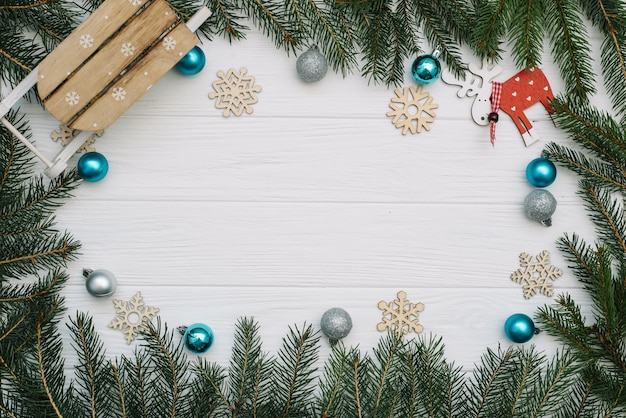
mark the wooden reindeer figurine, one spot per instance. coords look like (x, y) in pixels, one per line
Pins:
(513, 96)
(105, 66)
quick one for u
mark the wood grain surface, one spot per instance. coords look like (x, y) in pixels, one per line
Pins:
(316, 200)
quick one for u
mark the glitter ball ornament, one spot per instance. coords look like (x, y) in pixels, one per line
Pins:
(539, 205)
(336, 324)
(311, 65)
(541, 172)
(99, 282)
(198, 338)
(519, 328)
(426, 68)
(92, 166)
(193, 62)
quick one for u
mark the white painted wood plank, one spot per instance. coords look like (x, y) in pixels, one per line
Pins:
(312, 244)
(310, 160)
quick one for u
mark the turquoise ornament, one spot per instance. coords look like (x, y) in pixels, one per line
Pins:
(519, 328)
(541, 172)
(426, 68)
(92, 166)
(198, 338)
(193, 62)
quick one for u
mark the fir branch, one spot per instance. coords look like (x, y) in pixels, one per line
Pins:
(610, 17)
(226, 21)
(134, 375)
(608, 216)
(492, 17)
(488, 393)
(294, 372)
(50, 364)
(570, 46)
(271, 18)
(592, 129)
(376, 44)
(49, 286)
(433, 387)
(526, 32)
(564, 321)
(169, 376)
(207, 390)
(336, 383)
(383, 371)
(93, 372)
(245, 362)
(119, 389)
(552, 390)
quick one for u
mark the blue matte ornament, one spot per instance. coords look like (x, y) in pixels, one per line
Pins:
(193, 62)
(426, 68)
(198, 338)
(92, 166)
(541, 172)
(519, 328)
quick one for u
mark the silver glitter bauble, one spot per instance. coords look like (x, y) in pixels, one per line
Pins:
(336, 324)
(539, 205)
(312, 65)
(100, 282)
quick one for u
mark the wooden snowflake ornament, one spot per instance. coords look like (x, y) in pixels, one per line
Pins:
(400, 315)
(132, 316)
(235, 92)
(412, 110)
(536, 276)
(65, 135)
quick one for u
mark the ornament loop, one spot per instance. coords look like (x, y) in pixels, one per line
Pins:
(437, 52)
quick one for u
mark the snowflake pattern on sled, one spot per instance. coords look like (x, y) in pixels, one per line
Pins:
(235, 92)
(400, 315)
(536, 276)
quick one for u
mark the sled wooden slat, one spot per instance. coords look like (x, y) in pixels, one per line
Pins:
(133, 84)
(84, 88)
(82, 43)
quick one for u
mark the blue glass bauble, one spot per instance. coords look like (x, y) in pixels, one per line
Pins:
(519, 328)
(426, 69)
(198, 338)
(92, 166)
(193, 62)
(541, 172)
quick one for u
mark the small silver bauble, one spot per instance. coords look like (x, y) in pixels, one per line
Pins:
(311, 65)
(100, 282)
(336, 324)
(540, 205)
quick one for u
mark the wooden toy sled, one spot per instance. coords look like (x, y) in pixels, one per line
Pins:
(105, 66)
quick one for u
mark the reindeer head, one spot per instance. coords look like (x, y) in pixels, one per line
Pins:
(476, 83)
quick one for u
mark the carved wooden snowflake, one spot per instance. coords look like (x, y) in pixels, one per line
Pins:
(536, 276)
(416, 110)
(400, 315)
(131, 316)
(65, 135)
(235, 92)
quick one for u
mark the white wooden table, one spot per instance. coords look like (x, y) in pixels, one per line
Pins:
(316, 200)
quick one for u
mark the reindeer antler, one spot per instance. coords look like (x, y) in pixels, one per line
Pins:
(476, 78)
